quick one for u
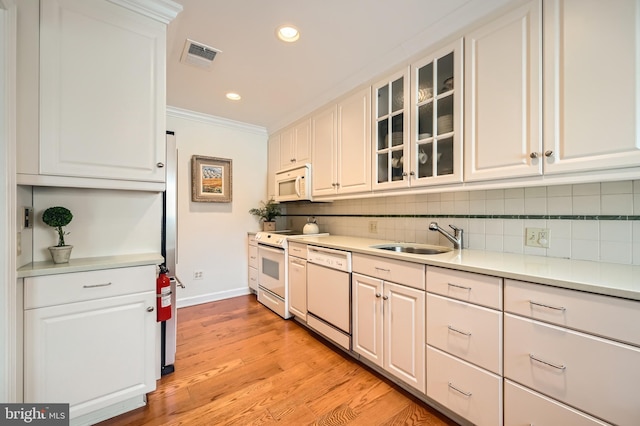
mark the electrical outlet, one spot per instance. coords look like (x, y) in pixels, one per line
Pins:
(537, 237)
(197, 275)
(373, 227)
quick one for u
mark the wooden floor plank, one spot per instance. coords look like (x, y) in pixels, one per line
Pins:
(237, 363)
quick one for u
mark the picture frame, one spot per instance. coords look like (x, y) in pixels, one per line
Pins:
(211, 179)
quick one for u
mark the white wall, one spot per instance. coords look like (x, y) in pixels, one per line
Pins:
(212, 236)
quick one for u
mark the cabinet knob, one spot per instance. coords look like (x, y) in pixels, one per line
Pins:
(533, 155)
(150, 309)
(293, 160)
(404, 174)
(412, 173)
(378, 295)
(160, 165)
(548, 153)
(385, 297)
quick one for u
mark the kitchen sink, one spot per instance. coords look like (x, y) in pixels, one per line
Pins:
(413, 248)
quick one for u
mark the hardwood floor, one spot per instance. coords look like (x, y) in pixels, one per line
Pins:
(238, 363)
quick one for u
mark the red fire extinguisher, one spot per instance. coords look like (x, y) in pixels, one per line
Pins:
(163, 295)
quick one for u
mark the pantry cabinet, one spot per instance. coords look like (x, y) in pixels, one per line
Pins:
(341, 147)
(503, 90)
(389, 318)
(102, 99)
(295, 145)
(90, 338)
(591, 124)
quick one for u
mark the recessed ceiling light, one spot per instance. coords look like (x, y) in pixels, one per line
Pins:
(288, 33)
(233, 96)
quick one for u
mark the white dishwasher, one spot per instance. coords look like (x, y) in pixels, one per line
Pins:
(329, 294)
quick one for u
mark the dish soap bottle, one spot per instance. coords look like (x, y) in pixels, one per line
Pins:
(311, 227)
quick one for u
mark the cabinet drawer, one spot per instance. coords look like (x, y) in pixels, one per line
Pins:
(49, 290)
(252, 240)
(253, 256)
(473, 288)
(525, 407)
(465, 389)
(592, 374)
(298, 250)
(253, 279)
(468, 331)
(605, 316)
(397, 271)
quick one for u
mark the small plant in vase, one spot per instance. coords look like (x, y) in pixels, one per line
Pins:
(267, 214)
(58, 217)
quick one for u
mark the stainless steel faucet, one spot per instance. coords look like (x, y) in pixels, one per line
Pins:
(456, 238)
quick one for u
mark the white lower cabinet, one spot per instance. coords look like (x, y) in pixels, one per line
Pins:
(96, 349)
(297, 280)
(252, 248)
(523, 406)
(465, 389)
(388, 327)
(595, 375)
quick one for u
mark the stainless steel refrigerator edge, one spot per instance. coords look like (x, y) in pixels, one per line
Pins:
(170, 253)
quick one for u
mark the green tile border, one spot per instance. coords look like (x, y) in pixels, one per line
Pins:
(479, 216)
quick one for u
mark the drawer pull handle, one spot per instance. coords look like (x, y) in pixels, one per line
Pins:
(382, 269)
(467, 394)
(550, 364)
(96, 285)
(459, 286)
(556, 308)
(466, 333)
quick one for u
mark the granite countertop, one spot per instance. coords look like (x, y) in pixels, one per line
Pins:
(609, 279)
(35, 269)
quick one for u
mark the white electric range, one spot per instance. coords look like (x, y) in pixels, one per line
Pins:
(273, 260)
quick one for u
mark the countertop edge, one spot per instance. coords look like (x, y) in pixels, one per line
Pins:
(608, 279)
(36, 269)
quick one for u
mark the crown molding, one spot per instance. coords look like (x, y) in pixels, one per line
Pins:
(218, 121)
(161, 10)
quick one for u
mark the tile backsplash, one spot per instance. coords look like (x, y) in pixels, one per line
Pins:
(593, 221)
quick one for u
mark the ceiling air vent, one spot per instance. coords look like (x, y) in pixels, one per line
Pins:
(198, 54)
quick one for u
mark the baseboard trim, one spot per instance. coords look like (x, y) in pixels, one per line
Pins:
(211, 297)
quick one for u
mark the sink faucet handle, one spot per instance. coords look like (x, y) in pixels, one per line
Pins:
(455, 228)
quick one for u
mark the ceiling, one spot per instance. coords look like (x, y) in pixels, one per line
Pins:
(343, 44)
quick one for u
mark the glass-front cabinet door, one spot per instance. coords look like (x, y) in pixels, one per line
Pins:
(391, 131)
(436, 111)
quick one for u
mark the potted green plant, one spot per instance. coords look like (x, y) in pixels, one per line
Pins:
(267, 214)
(58, 217)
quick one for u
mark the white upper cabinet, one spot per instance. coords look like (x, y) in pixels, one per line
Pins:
(341, 146)
(295, 145)
(273, 165)
(324, 147)
(102, 97)
(391, 132)
(591, 56)
(436, 117)
(503, 96)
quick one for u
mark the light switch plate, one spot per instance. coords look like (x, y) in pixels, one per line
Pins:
(537, 237)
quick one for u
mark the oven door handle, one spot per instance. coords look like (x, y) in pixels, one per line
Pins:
(271, 249)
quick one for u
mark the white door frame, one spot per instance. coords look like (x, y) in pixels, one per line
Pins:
(8, 237)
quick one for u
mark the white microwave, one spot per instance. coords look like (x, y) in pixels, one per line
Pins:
(294, 184)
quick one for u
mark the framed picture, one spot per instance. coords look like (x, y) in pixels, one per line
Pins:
(210, 179)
